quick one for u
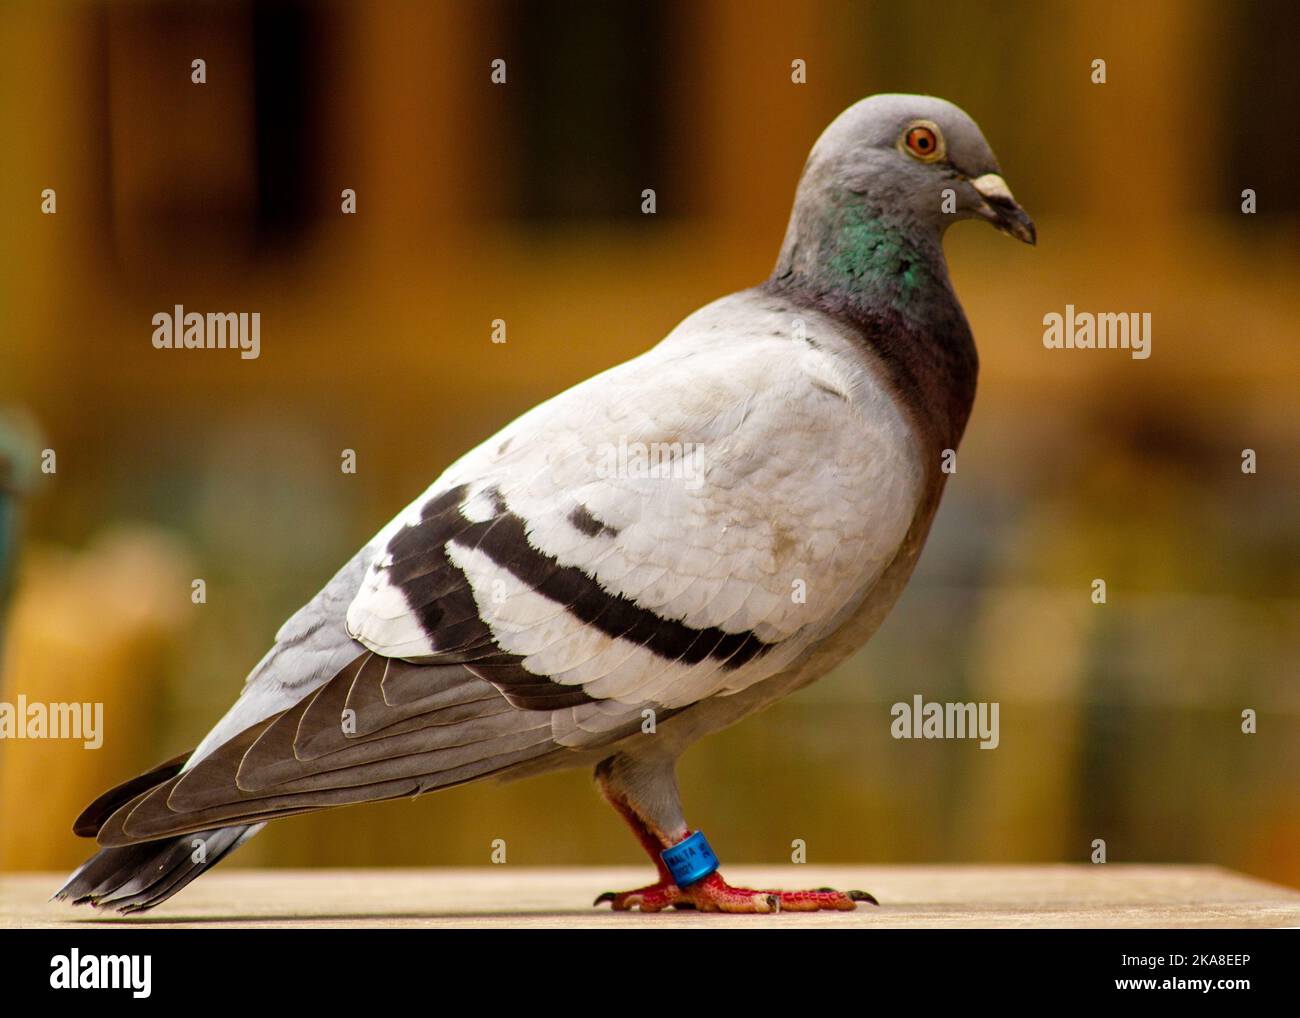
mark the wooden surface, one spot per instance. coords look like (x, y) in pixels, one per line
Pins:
(1000, 896)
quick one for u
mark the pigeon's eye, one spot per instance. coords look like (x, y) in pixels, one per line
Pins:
(924, 142)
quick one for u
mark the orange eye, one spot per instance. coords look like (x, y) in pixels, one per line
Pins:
(922, 142)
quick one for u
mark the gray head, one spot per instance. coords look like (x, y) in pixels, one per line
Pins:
(884, 181)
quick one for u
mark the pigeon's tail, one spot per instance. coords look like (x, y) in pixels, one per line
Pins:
(133, 878)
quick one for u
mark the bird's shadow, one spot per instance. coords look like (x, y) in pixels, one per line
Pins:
(381, 919)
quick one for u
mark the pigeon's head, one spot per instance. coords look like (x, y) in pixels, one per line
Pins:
(917, 159)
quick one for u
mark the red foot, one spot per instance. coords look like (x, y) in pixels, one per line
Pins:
(713, 894)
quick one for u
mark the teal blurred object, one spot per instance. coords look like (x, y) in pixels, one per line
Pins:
(17, 475)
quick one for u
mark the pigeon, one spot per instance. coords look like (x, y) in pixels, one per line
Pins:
(640, 561)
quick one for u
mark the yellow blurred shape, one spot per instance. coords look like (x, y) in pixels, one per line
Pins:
(92, 626)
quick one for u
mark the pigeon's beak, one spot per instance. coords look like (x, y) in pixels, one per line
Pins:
(1001, 210)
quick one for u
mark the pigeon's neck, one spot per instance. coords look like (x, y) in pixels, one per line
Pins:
(887, 281)
(844, 249)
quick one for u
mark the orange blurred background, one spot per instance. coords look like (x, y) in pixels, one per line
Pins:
(522, 202)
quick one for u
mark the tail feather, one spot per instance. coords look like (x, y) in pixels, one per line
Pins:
(133, 878)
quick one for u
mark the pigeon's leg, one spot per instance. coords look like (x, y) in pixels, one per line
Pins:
(620, 780)
(646, 797)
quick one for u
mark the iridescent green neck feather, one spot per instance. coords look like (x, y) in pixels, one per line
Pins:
(866, 251)
(847, 246)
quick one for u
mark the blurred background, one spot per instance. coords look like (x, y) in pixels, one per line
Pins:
(522, 202)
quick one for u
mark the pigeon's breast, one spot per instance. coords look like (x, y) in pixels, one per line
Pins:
(814, 454)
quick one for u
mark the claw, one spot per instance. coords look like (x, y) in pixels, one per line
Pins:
(601, 899)
(861, 896)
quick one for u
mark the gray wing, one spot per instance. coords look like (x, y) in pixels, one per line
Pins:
(375, 728)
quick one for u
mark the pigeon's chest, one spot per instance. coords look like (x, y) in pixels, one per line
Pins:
(865, 448)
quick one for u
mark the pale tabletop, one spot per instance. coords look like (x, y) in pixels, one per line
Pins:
(1110, 895)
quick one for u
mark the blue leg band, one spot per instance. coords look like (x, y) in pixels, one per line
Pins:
(690, 861)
